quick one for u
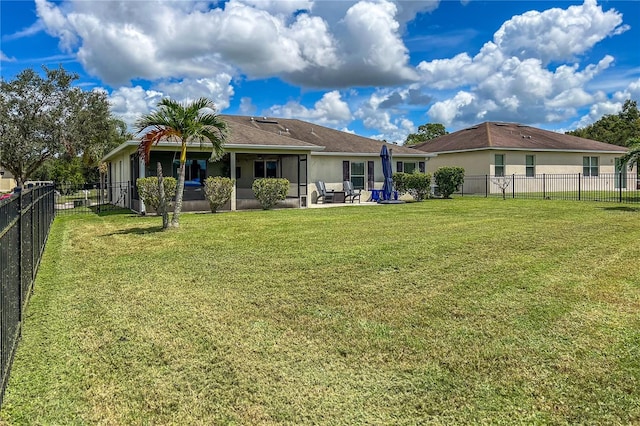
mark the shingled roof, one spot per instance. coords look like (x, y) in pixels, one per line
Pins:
(287, 131)
(511, 136)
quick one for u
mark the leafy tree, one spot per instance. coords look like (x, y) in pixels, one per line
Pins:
(425, 133)
(192, 122)
(43, 118)
(616, 129)
(449, 180)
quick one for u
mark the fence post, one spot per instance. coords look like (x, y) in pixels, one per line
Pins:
(544, 186)
(620, 185)
(486, 186)
(513, 185)
(579, 187)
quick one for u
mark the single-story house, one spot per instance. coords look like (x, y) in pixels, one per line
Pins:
(259, 147)
(497, 150)
(7, 182)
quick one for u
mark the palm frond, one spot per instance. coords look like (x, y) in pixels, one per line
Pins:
(152, 138)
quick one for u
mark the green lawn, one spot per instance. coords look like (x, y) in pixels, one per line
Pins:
(463, 311)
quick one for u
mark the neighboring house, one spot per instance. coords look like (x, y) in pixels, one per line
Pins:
(259, 147)
(507, 149)
(7, 182)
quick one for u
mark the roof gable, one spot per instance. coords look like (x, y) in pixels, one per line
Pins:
(510, 136)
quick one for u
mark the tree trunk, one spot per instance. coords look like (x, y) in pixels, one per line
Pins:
(162, 207)
(175, 220)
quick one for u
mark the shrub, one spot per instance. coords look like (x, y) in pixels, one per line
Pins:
(399, 182)
(217, 191)
(148, 190)
(269, 191)
(449, 180)
(418, 185)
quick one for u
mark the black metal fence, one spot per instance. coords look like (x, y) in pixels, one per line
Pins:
(93, 197)
(25, 220)
(611, 187)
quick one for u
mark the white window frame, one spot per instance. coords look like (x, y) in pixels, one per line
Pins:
(590, 166)
(357, 184)
(502, 167)
(530, 169)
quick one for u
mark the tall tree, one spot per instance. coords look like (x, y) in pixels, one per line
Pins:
(616, 129)
(183, 123)
(425, 133)
(42, 118)
(72, 169)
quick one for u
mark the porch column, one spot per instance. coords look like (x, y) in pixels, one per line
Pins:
(141, 167)
(232, 172)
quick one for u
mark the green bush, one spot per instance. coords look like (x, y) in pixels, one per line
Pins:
(217, 191)
(270, 190)
(418, 185)
(449, 180)
(148, 190)
(415, 184)
(399, 182)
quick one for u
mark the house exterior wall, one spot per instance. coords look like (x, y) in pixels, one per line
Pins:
(570, 164)
(329, 168)
(7, 182)
(483, 162)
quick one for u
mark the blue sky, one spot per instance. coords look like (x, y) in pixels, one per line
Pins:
(377, 68)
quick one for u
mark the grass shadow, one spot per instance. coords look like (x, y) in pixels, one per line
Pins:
(622, 209)
(137, 231)
(110, 211)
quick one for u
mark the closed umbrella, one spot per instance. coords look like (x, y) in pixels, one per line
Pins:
(388, 173)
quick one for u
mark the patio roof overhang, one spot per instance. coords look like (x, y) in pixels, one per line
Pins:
(237, 148)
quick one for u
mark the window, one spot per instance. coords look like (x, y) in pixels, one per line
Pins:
(357, 175)
(531, 166)
(499, 165)
(590, 166)
(265, 169)
(409, 167)
(195, 171)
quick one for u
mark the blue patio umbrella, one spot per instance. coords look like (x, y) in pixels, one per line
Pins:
(388, 173)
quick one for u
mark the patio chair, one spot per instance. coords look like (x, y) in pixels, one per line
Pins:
(349, 192)
(323, 194)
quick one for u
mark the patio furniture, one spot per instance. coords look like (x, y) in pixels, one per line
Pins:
(349, 192)
(323, 194)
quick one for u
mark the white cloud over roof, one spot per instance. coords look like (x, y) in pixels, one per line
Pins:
(532, 66)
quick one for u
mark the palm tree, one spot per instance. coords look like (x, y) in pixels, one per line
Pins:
(183, 123)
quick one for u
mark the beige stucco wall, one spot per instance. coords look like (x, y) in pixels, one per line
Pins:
(563, 170)
(7, 182)
(482, 162)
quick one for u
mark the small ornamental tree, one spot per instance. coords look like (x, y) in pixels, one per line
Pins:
(418, 185)
(269, 191)
(502, 183)
(149, 193)
(217, 191)
(449, 180)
